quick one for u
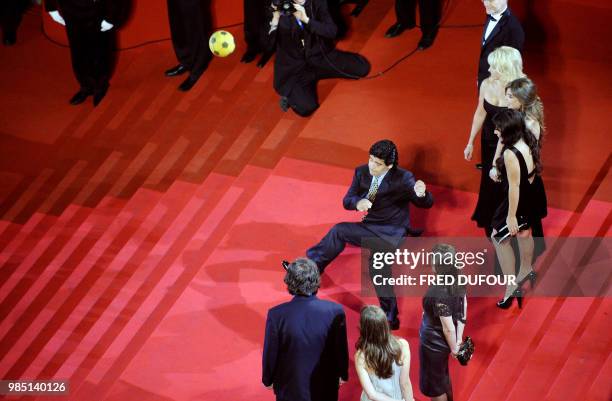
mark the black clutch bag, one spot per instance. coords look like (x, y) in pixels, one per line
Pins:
(466, 350)
(503, 233)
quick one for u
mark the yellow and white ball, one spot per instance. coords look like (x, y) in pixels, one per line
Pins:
(222, 43)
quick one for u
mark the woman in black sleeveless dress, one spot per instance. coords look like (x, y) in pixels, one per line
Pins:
(518, 165)
(506, 65)
(441, 332)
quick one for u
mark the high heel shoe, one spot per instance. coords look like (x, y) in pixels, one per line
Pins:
(531, 276)
(507, 302)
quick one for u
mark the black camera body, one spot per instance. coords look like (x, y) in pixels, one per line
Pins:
(284, 6)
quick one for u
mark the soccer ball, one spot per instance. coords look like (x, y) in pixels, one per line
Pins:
(221, 43)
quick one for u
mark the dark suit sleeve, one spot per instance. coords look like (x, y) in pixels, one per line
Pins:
(50, 5)
(424, 202)
(341, 345)
(321, 23)
(352, 195)
(517, 36)
(270, 352)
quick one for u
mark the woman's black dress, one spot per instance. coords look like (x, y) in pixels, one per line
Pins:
(532, 200)
(434, 377)
(490, 193)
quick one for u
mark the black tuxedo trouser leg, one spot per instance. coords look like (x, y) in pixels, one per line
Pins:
(334, 243)
(190, 28)
(91, 52)
(256, 25)
(429, 13)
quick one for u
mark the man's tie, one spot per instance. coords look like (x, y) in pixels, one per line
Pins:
(373, 190)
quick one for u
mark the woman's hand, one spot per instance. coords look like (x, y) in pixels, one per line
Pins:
(494, 174)
(512, 223)
(467, 152)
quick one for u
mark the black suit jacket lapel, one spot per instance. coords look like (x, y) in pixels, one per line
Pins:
(502, 22)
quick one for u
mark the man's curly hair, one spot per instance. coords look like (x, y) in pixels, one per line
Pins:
(302, 277)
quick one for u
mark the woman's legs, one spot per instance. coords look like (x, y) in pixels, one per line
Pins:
(505, 255)
(526, 246)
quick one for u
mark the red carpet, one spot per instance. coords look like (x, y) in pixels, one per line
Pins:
(140, 241)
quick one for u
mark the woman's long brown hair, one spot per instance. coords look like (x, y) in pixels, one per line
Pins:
(378, 347)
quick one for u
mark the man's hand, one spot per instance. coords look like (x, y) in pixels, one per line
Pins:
(494, 175)
(105, 26)
(364, 205)
(420, 188)
(275, 16)
(56, 16)
(300, 13)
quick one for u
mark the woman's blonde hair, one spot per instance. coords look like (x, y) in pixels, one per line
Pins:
(507, 61)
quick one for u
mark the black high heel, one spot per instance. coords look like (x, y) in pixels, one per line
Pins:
(532, 276)
(507, 302)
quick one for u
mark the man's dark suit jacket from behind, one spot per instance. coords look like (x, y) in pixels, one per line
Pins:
(305, 350)
(389, 217)
(507, 32)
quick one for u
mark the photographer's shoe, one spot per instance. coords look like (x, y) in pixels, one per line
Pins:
(284, 103)
(396, 29)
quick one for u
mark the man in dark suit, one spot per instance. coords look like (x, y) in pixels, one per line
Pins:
(305, 54)
(90, 26)
(383, 191)
(429, 14)
(501, 28)
(190, 28)
(256, 31)
(10, 17)
(305, 355)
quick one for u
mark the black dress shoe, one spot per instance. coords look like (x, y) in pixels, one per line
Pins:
(10, 38)
(265, 57)
(80, 96)
(188, 83)
(99, 95)
(396, 29)
(394, 324)
(426, 41)
(248, 56)
(178, 70)
(285, 264)
(359, 8)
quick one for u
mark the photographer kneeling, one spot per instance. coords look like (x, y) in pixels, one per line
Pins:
(302, 32)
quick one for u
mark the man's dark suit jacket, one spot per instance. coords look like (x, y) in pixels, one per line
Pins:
(390, 213)
(78, 10)
(292, 56)
(305, 350)
(507, 32)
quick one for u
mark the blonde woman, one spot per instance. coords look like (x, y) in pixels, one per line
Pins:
(505, 65)
(382, 360)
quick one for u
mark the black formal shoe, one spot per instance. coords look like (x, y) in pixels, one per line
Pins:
(265, 57)
(394, 324)
(10, 38)
(284, 103)
(396, 29)
(80, 97)
(188, 83)
(285, 264)
(479, 166)
(174, 71)
(426, 41)
(248, 56)
(507, 302)
(359, 8)
(99, 95)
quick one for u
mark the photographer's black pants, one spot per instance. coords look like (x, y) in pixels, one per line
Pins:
(256, 25)
(336, 64)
